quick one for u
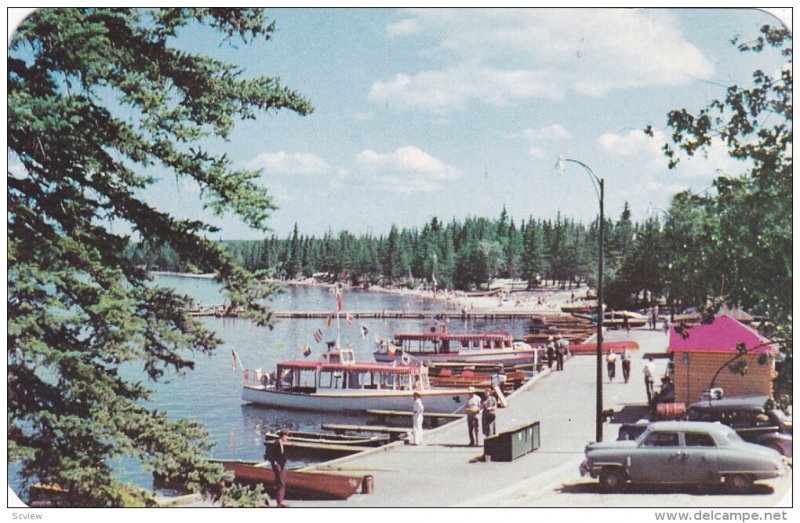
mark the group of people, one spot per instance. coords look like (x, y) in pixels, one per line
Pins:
(483, 409)
(649, 369)
(557, 350)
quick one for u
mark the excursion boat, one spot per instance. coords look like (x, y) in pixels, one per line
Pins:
(337, 383)
(436, 347)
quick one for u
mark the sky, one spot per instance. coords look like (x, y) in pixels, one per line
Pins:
(455, 113)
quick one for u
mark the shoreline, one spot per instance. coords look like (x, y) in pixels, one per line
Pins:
(545, 299)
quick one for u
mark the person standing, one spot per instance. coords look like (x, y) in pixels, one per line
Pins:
(560, 350)
(626, 364)
(473, 409)
(488, 417)
(649, 375)
(419, 409)
(611, 364)
(551, 352)
(276, 454)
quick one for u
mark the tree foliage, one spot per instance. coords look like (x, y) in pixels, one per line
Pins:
(737, 244)
(95, 96)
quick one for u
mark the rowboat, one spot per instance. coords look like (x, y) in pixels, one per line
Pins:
(337, 383)
(299, 485)
(330, 439)
(442, 346)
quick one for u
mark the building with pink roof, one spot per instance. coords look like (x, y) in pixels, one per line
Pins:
(702, 349)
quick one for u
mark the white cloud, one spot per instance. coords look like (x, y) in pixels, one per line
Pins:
(551, 132)
(403, 27)
(406, 170)
(537, 152)
(363, 116)
(647, 153)
(505, 55)
(283, 163)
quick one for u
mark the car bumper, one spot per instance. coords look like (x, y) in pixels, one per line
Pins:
(585, 469)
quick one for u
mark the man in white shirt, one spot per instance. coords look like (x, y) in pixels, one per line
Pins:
(419, 409)
(473, 409)
(649, 375)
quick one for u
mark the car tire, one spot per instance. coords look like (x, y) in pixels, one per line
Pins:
(612, 479)
(738, 483)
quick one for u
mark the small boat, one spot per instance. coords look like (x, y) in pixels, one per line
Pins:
(435, 347)
(591, 347)
(617, 319)
(337, 383)
(299, 485)
(326, 438)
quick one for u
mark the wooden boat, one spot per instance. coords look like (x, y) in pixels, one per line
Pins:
(435, 347)
(578, 308)
(330, 439)
(591, 347)
(337, 383)
(299, 485)
(617, 319)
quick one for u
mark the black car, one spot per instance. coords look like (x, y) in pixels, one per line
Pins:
(751, 420)
(746, 414)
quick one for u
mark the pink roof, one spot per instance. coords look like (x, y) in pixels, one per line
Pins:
(721, 335)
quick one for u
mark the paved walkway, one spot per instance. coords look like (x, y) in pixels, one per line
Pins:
(442, 472)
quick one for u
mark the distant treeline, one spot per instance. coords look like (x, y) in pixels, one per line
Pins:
(456, 255)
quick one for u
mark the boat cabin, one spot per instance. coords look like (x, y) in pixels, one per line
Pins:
(447, 343)
(338, 371)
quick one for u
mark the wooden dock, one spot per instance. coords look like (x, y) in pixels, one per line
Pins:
(382, 314)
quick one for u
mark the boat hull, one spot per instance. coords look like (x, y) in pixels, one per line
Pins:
(444, 401)
(591, 347)
(515, 357)
(299, 485)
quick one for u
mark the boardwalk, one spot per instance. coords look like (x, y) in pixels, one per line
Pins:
(439, 473)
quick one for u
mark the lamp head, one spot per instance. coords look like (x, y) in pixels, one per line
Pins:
(561, 165)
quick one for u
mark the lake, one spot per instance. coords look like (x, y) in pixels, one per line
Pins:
(211, 393)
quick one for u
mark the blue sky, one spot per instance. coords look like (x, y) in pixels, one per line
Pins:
(456, 113)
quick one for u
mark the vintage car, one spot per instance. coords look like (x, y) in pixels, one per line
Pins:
(745, 414)
(683, 452)
(748, 417)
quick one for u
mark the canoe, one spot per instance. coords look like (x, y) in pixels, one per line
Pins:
(299, 485)
(591, 347)
(330, 439)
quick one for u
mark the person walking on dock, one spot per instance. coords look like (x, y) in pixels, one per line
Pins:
(473, 409)
(560, 351)
(649, 375)
(611, 363)
(551, 352)
(487, 419)
(276, 454)
(626, 364)
(419, 409)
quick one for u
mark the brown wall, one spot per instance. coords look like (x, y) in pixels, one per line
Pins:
(692, 377)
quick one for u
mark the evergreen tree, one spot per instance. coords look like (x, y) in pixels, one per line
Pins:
(77, 307)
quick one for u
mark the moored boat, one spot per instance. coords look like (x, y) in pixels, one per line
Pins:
(337, 383)
(591, 347)
(299, 485)
(435, 347)
(326, 438)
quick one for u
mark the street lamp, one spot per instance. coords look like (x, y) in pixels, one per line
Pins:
(597, 183)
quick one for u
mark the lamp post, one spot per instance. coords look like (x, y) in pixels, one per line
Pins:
(597, 183)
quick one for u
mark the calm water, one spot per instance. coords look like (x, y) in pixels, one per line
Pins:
(211, 392)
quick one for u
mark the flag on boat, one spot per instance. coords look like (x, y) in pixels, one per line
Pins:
(306, 350)
(233, 361)
(348, 317)
(328, 321)
(390, 349)
(364, 331)
(318, 335)
(338, 299)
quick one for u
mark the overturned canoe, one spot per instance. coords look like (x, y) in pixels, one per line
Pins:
(299, 485)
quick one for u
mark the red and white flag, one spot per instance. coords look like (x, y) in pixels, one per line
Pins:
(348, 317)
(233, 361)
(318, 335)
(328, 321)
